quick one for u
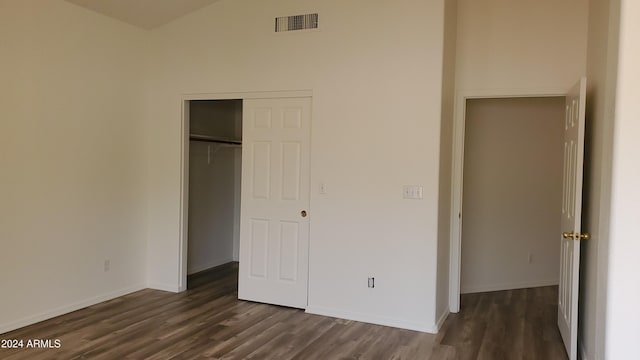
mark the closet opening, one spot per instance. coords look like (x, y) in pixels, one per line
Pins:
(512, 186)
(214, 180)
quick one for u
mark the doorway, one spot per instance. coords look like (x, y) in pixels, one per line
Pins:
(512, 186)
(215, 158)
(457, 216)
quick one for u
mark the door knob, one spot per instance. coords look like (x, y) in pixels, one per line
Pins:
(303, 213)
(576, 236)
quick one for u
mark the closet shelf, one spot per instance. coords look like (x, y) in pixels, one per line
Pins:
(214, 139)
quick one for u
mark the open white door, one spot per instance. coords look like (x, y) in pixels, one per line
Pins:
(571, 213)
(274, 226)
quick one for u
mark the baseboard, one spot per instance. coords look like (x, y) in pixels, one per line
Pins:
(508, 286)
(441, 320)
(46, 315)
(208, 265)
(164, 287)
(372, 319)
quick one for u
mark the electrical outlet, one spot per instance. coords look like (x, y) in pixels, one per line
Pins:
(107, 265)
(371, 282)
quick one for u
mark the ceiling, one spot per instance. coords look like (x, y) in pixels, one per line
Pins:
(146, 14)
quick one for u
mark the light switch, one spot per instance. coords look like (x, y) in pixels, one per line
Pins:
(323, 188)
(412, 192)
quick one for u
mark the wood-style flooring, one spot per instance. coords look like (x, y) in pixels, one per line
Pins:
(208, 321)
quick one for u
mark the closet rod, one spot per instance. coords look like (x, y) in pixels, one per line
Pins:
(214, 139)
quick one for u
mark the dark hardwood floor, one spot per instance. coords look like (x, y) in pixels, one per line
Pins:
(208, 321)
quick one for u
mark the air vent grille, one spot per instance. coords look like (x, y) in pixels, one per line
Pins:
(296, 22)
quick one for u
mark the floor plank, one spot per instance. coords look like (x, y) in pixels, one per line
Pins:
(209, 322)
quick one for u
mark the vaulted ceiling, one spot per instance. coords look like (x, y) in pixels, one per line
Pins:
(146, 14)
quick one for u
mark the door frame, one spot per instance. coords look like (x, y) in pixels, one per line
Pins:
(459, 118)
(182, 253)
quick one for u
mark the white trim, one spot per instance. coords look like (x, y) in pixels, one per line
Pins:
(165, 287)
(184, 166)
(372, 319)
(49, 314)
(248, 95)
(184, 198)
(457, 173)
(441, 320)
(208, 265)
(509, 286)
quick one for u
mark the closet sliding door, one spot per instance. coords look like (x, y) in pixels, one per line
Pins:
(274, 222)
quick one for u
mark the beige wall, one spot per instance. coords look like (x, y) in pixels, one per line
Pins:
(72, 167)
(446, 150)
(533, 45)
(623, 288)
(375, 69)
(512, 193)
(601, 82)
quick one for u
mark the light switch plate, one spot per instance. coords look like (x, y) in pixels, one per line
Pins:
(412, 192)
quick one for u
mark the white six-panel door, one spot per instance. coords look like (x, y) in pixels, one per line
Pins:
(274, 221)
(571, 213)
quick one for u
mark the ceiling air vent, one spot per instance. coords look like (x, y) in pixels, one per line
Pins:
(296, 22)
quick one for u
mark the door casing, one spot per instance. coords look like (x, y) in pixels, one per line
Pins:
(181, 252)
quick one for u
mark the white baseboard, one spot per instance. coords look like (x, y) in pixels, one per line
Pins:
(164, 287)
(46, 315)
(372, 319)
(441, 320)
(208, 265)
(507, 286)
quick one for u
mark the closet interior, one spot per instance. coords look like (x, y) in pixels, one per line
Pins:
(215, 163)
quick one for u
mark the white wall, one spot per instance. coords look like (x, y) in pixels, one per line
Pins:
(601, 82)
(212, 184)
(623, 317)
(446, 152)
(533, 45)
(375, 69)
(512, 193)
(72, 178)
